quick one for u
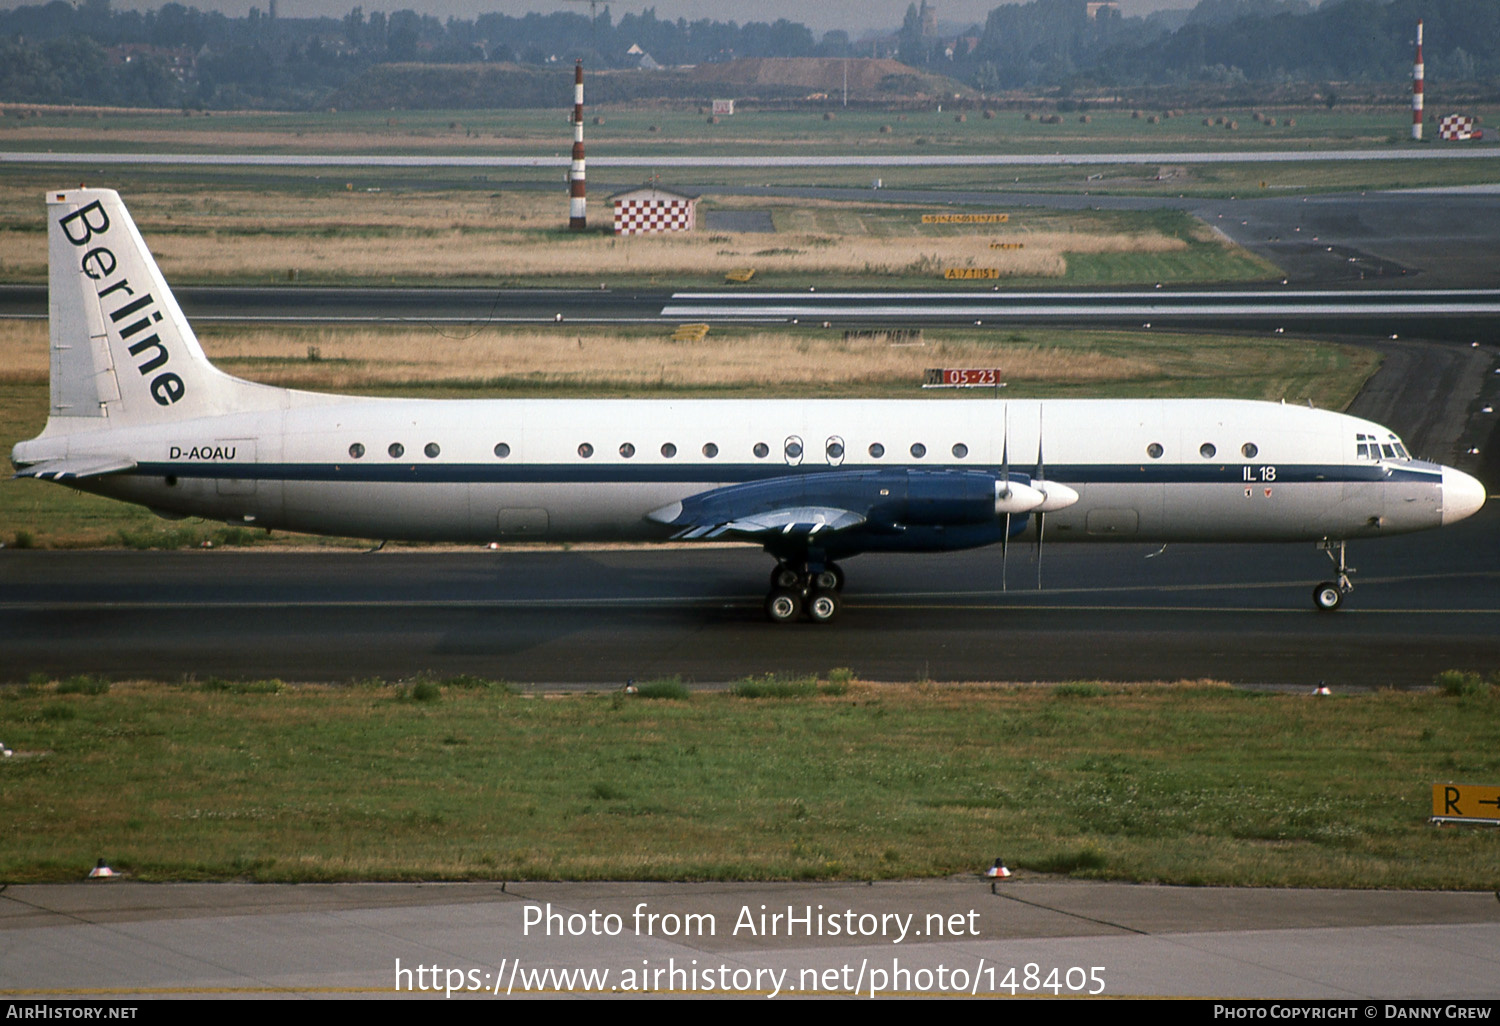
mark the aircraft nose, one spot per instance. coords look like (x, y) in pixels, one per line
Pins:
(1462, 495)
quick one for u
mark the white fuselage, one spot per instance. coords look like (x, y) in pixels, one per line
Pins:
(291, 467)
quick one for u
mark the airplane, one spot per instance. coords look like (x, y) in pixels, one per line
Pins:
(139, 413)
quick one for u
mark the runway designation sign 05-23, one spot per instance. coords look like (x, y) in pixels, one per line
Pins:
(1465, 803)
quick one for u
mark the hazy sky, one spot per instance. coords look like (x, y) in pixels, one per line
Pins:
(854, 16)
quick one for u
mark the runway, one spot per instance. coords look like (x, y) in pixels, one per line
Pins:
(1349, 312)
(766, 160)
(1423, 603)
(1446, 314)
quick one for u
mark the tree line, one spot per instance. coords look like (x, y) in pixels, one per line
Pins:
(178, 55)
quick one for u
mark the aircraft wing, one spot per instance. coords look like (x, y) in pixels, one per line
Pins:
(75, 468)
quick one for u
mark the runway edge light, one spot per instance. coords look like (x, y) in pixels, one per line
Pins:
(100, 871)
(997, 871)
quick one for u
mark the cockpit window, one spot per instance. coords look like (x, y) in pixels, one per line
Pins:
(1368, 447)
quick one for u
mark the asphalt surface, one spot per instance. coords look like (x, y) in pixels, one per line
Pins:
(1422, 603)
(1438, 314)
(137, 941)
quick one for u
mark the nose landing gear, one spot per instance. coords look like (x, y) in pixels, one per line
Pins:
(798, 588)
(1329, 595)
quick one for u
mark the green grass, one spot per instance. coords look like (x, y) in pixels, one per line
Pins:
(680, 128)
(665, 687)
(1188, 784)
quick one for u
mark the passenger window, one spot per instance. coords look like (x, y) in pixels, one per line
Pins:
(432, 450)
(960, 450)
(1154, 450)
(918, 450)
(1249, 450)
(876, 450)
(396, 450)
(502, 450)
(710, 450)
(835, 449)
(356, 450)
(585, 450)
(1207, 450)
(627, 450)
(668, 450)
(761, 450)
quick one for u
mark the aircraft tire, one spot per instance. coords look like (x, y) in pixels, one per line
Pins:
(1327, 597)
(784, 577)
(783, 605)
(831, 579)
(823, 606)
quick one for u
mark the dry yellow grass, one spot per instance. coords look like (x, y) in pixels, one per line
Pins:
(341, 234)
(364, 357)
(438, 254)
(23, 352)
(388, 358)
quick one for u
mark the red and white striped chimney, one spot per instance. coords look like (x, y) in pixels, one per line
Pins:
(1416, 90)
(577, 204)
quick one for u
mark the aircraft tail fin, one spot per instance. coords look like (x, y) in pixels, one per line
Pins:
(122, 352)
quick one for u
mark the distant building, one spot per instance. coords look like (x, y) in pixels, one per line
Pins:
(180, 61)
(1109, 8)
(643, 60)
(650, 210)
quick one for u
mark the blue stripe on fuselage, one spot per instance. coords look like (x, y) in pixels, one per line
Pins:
(622, 473)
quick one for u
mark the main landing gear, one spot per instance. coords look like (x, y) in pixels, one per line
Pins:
(1329, 595)
(798, 589)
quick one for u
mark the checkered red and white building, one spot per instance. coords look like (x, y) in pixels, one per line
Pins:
(1458, 127)
(648, 210)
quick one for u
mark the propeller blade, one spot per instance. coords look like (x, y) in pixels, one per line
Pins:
(1041, 524)
(1041, 514)
(1004, 549)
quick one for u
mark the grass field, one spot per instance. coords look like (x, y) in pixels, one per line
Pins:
(324, 233)
(680, 128)
(643, 362)
(1187, 784)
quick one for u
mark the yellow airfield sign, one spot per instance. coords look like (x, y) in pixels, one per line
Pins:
(1465, 803)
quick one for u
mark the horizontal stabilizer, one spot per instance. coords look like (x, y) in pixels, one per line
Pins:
(77, 468)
